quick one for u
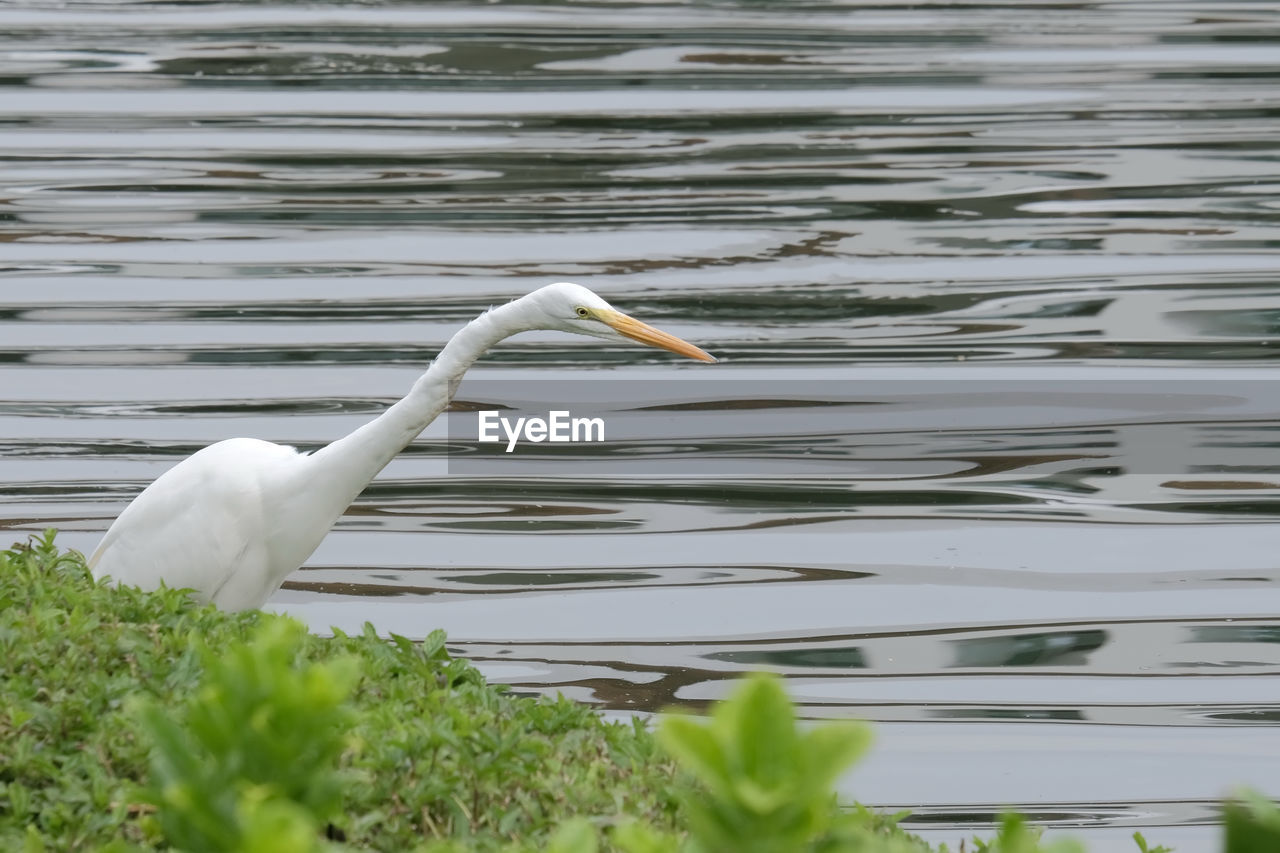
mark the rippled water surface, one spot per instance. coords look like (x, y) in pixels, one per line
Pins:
(1017, 262)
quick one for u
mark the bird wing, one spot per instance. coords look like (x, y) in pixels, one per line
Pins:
(198, 524)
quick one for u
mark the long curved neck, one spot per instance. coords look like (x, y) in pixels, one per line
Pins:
(342, 469)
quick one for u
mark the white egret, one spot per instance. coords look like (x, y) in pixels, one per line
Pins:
(234, 519)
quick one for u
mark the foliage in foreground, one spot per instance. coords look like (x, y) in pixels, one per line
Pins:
(431, 751)
(266, 738)
(258, 747)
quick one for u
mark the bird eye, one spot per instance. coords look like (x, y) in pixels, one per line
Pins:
(583, 312)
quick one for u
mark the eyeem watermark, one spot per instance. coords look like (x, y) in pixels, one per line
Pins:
(557, 427)
(962, 426)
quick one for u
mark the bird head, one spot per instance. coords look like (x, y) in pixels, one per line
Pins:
(568, 307)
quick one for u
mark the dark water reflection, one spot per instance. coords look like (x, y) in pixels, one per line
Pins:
(218, 220)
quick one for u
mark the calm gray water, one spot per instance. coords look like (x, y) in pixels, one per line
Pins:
(1021, 257)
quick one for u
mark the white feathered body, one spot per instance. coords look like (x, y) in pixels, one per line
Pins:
(231, 521)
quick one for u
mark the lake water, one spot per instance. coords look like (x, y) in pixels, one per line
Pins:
(991, 453)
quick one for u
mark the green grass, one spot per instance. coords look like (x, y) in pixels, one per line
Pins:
(137, 721)
(432, 751)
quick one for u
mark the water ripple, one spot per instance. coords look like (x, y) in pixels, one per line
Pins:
(225, 220)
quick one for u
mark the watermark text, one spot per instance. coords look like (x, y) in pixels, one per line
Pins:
(558, 426)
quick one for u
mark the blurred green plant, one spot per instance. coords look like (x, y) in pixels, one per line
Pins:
(768, 785)
(1015, 835)
(254, 751)
(1251, 824)
(1143, 847)
(758, 782)
(432, 753)
(262, 734)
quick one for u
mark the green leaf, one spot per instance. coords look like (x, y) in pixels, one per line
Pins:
(1251, 825)
(1142, 845)
(272, 825)
(32, 842)
(767, 786)
(258, 743)
(759, 721)
(831, 748)
(1017, 836)
(574, 836)
(696, 747)
(633, 836)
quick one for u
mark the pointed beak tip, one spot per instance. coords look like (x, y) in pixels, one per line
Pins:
(646, 334)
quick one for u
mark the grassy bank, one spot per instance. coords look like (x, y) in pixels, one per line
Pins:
(141, 721)
(433, 752)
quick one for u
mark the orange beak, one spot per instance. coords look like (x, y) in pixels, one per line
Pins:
(646, 334)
